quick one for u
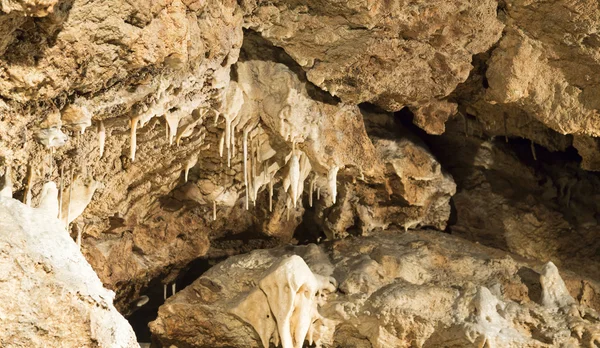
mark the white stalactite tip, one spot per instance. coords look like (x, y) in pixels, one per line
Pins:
(214, 211)
(133, 137)
(332, 182)
(101, 137)
(294, 174)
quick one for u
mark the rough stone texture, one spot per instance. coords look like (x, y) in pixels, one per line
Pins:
(129, 73)
(415, 192)
(415, 289)
(388, 53)
(49, 294)
(544, 210)
(542, 77)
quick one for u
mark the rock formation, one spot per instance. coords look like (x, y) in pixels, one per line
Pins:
(182, 131)
(49, 294)
(395, 289)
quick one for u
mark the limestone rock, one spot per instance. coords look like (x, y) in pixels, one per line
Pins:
(418, 288)
(387, 53)
(505, 199)
(49, 294)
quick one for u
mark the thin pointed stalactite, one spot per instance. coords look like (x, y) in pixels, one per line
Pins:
(294, 177)
(27, 196)
(311, 191)
(332, 182)
(173, 289)
(270, 193)
(165, 292)
(228, 140)
(221, 145)
(173, 123)
(533, 150)
(61, 190)
(101, 137)
(69, 200)
(133, 137)
(214, 210)
(245, 164)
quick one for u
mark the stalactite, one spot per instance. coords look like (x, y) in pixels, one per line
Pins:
(332, 182)
(69, 200)
(311, 190)
(270, 193)
(318, 192)
(27, 196)
(533, 151)
(7, 189)
(173, 123)
(101, 137)
(221, 145)
(214, 210)
(173, 289)
(190, 164)
(165, 292)
(133, 136)
(61, 190)
(294, 177)
(245, 164)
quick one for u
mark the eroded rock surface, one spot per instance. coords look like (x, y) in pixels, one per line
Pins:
(49, 294)
(388, 53)
(395, 290)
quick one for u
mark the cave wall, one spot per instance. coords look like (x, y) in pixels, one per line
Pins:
(145, 107)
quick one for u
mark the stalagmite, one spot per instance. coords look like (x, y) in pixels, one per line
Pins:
(133, 137)
(101, 137)
(80, 194)
(332, 182)
(7, 189)
(49, 198)
(27, 197)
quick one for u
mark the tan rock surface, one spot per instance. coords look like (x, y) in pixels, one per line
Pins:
(391, 54)
(422, 289)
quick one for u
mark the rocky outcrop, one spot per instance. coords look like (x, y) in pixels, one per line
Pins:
(418, 288)
(523, 199)
(391, 54)
(49, 294)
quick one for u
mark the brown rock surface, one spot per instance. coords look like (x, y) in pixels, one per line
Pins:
(387, 53)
